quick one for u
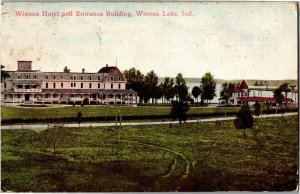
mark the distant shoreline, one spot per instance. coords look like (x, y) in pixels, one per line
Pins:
(250, 82)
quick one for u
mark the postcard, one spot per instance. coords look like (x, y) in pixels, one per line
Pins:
(149, 96)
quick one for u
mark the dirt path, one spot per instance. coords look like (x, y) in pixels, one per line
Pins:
(187, 167)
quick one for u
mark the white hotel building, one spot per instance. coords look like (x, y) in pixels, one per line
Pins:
(33, 86)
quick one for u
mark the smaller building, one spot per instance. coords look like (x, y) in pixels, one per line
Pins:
(241, 90)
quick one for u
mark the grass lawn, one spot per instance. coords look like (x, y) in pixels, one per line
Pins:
(188, 157)
(9, 112)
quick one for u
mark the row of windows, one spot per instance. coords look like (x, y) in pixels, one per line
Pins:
(73, 85)
(72, 77)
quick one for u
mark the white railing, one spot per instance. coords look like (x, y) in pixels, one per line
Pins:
(27, 90)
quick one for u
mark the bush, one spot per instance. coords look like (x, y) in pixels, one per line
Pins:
(244, 118)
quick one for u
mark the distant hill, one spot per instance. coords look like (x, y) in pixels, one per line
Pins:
(272, 83)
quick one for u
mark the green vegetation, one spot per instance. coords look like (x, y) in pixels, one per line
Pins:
(210, 156)
(8, 112)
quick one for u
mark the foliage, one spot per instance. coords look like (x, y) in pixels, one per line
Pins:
(181, 90)
(79, 117)
(85, 101)
(208, 87)
(179, 110)
(196, 91)
(227, 90)
(244, 118)
(257, 109)
(4, 74)
(168, 88)
(66, 70)
(278, 95)
(94, 160)
(52, 135)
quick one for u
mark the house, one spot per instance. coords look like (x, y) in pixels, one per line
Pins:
(241, 90)
(107, 86)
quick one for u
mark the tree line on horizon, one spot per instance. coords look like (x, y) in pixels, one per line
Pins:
(149, 89)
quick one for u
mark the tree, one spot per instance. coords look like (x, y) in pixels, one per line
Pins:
(244, 119)
(168, 89)
(79, 118)
(66, 70)
(4, 74)
(277, 93)
(179, 110)
(181, 90)
(135, 81)
(196, 91)
(151, 81)
(227, 90)
(256, 109)
(52, 135)
(293, 89)
(208, 87)
(285, 88)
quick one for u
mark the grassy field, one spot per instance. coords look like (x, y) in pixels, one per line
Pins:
(190, 157)
(9, 112)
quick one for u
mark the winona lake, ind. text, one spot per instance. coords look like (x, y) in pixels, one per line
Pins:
(105, 13)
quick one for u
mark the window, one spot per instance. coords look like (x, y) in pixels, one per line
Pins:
(98, 85)
(46, 76)
(81, 85)
(54, 85)
(74, 77)
(90, 77)
(19, 76)
(81, 77)
(19, 95)
(119, 78)
(119, 86)
(104, 85)
(62, 85)
(46, 85)
(111, 78)
(53, 76)
(111, 86)
(26, 76)
(4, 84)
(61, 77)
(34, 76)
(90, 85)
(74, 84)
(71, 84)
(98, 77)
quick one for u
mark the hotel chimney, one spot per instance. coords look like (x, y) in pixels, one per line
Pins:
(83, 70)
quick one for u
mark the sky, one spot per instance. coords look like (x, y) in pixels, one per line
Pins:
(232, 40)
